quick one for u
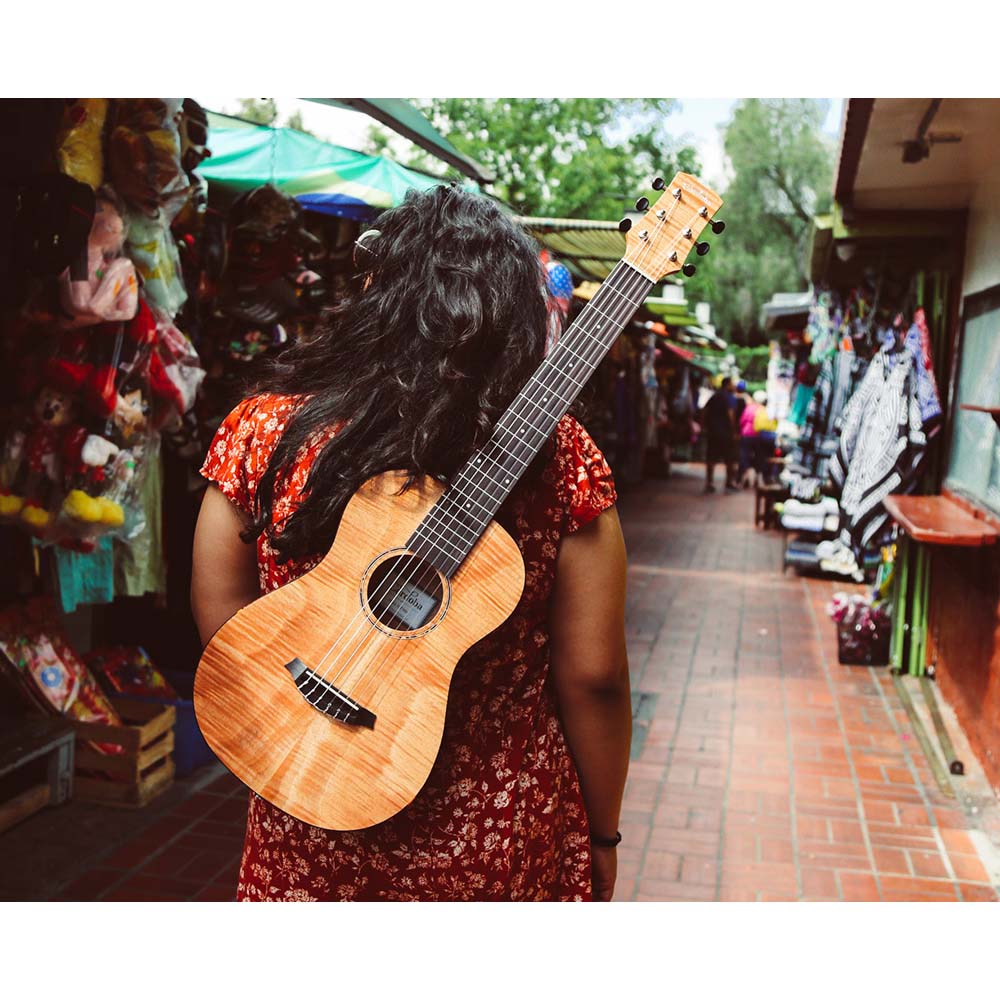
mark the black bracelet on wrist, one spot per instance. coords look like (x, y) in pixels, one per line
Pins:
(606, 841)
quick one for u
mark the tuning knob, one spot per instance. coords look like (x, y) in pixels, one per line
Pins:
(717, 226)
(688, 270)
(642, 204)
(659, 183)
(625, 225)
(702, 248)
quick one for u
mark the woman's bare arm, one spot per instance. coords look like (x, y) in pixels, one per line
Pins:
(224, 574)
(590, 671)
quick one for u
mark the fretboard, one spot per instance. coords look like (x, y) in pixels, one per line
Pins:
(455, 523)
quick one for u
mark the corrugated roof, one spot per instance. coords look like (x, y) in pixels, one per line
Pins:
(590, 248)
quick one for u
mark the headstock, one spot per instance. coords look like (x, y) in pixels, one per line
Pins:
(659, 243)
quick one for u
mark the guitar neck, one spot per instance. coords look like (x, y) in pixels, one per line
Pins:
(454, 524)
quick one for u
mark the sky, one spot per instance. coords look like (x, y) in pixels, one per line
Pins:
(697, 121)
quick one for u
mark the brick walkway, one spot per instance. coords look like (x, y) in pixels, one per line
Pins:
(763, 769)
(768, 771)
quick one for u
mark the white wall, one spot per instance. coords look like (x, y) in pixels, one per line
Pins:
(982, 245)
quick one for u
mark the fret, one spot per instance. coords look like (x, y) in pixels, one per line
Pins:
(455, 523)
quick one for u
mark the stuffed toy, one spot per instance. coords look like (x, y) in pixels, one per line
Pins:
(101, 284)
(53, 440)
(60, 462)
(79, 149)
(97, 365)
(86, 503)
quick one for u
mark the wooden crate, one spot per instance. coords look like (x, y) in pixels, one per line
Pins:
(143, 771)
(25, 746)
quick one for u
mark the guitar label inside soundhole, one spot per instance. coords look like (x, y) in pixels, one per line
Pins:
(404, 593)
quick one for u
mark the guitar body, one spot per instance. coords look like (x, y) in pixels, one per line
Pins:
(331, 705)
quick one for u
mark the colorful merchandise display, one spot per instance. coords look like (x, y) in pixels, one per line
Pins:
(39, 660)
(128, 670)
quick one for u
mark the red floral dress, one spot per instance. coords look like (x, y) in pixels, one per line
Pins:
(501, 815)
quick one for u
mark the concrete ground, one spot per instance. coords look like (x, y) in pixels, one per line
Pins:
(762, 768)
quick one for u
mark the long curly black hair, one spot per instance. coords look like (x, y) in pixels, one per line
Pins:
(417, 366)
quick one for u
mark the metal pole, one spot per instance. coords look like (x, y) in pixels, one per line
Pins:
(917, 620)
(899, 603)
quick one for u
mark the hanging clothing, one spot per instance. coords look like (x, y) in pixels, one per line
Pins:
(800, 404)
(501, 816)
(85, 577)
(839, 376)
(882, 442)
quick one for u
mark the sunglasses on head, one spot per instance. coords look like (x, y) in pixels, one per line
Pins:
(364, 256)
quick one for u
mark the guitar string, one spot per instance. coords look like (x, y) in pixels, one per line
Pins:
(477, 479)
(593, 350)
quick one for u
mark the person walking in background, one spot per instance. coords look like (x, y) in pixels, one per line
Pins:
(748, 439)
(720, 430)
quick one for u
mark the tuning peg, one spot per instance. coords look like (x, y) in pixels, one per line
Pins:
(688, 270)
(659, 183)
(717, 226)
(642, 204)
(702, 248)
(625, 225)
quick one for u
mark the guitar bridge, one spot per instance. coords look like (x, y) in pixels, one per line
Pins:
(326, 698)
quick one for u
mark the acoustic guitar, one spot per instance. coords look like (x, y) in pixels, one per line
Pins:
(327, 696)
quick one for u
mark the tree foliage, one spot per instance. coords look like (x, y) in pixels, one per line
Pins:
(264, 111)
(592, 157)
(782, 168)
(572, 157)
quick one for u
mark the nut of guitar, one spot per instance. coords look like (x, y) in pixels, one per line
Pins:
(327, 696)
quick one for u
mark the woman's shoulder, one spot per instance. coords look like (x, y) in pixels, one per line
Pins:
(262, 415)
(243, 444)
(581, 474)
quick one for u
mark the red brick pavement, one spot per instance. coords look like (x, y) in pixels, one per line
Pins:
(191, 852)
(768, 771)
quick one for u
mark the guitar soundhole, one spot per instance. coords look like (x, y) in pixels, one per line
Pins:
(404, 593)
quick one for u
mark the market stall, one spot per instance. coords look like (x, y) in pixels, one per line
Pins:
(947, 593)
(150, 263)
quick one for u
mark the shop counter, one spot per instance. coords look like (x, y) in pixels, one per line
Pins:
(937, 520)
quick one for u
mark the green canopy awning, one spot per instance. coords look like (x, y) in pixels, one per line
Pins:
(671, 313)
(402, 117)
(320, 175)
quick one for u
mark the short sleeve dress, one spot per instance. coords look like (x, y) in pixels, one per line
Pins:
(501, 816)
